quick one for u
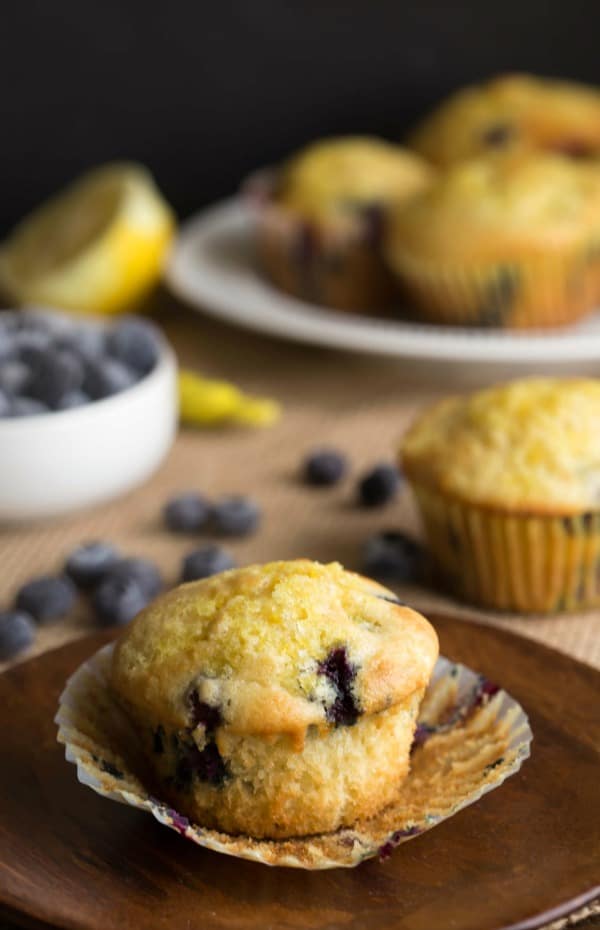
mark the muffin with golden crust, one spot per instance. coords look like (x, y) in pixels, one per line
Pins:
(508, 483)
(510, 113)
(276, 700)
(501, 241)
(321, 220)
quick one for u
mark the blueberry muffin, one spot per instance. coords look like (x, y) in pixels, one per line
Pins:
(502, 241)
(276, 700)
(508, 483)
(512, 112)
(321, 219)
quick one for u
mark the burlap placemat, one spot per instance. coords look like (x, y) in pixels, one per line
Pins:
(359, 405)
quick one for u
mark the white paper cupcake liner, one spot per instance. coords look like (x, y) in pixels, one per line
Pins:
(471, 737)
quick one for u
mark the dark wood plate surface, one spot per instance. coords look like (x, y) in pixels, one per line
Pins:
(522, 855)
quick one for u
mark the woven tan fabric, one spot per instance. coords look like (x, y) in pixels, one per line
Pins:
(359, 405)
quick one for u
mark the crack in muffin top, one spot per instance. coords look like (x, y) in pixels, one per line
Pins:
(274, 649)
(530, 445)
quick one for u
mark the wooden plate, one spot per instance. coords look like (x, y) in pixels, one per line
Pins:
(523, 855)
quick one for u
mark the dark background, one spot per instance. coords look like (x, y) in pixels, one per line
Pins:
(203, 92)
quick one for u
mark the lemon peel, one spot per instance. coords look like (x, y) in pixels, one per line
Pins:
(211, 402)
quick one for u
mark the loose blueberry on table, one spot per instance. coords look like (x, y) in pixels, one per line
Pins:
(325, 467)
(142, 571)
(187, 513)
(117, 600)
(17, 632)
(394, 556)
(46, 598)
(379, 486)
(206, 561)
(236, 516)
(89, 563)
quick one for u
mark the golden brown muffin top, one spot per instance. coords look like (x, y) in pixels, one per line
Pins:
(272, 649)
(491, 206)
(514, 111)
(337, 176)
(531, 445)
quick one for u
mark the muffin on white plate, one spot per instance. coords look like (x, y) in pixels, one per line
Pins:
(321, 219)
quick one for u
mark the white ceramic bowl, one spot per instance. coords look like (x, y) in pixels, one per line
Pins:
(56, 462)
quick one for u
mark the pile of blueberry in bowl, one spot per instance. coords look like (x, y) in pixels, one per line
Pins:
(88, 409)
(52, 362)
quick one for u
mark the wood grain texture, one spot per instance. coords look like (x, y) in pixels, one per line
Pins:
(528, 852)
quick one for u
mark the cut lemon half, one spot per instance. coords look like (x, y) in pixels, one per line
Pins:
(96, 247)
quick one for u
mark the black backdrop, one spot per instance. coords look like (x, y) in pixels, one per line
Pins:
(205, 91)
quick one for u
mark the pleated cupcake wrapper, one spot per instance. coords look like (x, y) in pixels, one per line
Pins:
(525, 563)
(527, 293)
(471, 737)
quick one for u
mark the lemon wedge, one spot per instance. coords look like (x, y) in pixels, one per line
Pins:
(96, 247)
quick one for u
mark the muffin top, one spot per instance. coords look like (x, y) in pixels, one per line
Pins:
(531, 445)
(273, 649)
(337, 176)
(515, 111)
(489, 205)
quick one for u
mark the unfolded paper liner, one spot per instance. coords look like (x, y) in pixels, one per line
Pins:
(513, 561)
(470, 738)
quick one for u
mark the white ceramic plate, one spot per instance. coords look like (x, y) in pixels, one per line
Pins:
(213, 268)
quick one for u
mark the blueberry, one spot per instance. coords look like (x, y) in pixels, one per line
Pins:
(133, 342)
(14, 376)
(206, 561)
(187, 513)
(90, 562)
(106, 376)
(142, 571)
(88, 341)
(47, 597)
(498, 134)
(31, 343)
(394, 555)
(4, 404)
(72, 400)
(379, 485)
(325, 467)
(53, 374)
(118, 599)
(208, 715)
(17, 631)
(8, 348)
(205, 764)
(55, 325)
(341, 674)
(27, 407)
(236, 516)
